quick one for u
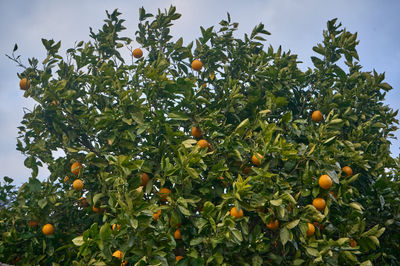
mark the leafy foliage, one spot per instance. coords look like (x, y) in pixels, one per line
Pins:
(121, 119)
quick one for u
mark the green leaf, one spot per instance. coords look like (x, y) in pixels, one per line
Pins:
(276, 202)
(284, 235)
(42, 203)
(292, 224)
(78, 241)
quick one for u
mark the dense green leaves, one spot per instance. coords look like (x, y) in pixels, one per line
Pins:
(129, 122)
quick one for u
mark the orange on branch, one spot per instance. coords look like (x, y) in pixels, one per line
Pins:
(317, 116)
(137, 53)
(236, 213)
(353, 242)
(178, 258)
(118, 254)
(197, 65)
(48, 229)
(33, 223)
(24, 84)
(319, 204)
(311, 230)
(177, 234)
(325, 182)
(144, 179)
(77, 184)
(256, 159)
(196, 132)
(273, 224)
(116, 227)
(76, 168)
(203, 143)
(348, 171)
(164, 193)
(157, 215)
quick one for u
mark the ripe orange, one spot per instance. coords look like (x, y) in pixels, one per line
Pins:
(317, 116)
(273, 224)
(178, 258)
(24, 84)
(203, 143)
(353, 243)
(319, 204)
(311, 229)
(144, 179)
(97, 210)
(76, 168)
(236, 213)
(196, 132)
(212, 76)
(66, 178)
(116, 227)
(246, 170)
(123, 263)
(255, 160)
(177, 234)
(78, 184)
(164, 193)
(157, 215)
(118, 254)
(48, 229)
(325, 181)
(33, 223)
(82, 202)
(197, 65)
(137, 53)
(347, 170)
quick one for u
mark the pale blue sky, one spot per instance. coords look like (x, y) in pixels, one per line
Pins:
(296, 25)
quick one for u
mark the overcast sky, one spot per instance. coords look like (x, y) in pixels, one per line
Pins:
(294, 24)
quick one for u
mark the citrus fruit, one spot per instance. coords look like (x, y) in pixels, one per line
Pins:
(256, 159)
(178, 258)
(236, 213)
(116, 227)
(137, 53)
(66, 178)
(347, 170)
(197, 65)
(33, 223)
(319, 204)
(273, 224)
(157, 215)
(48, 229)
(325, 181)
(317, 116)
(77, 184)
(24, 84)
(311, 229)
(118, 254)
(196, 132)
(76, 168)
(353, 243)
(203, 143)
(164, 193)
(144, 179)
(177, 234)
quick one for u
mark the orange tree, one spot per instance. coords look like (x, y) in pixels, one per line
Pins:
(216, 152)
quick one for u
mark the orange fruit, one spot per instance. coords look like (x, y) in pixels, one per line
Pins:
(197, 65)
(97, 210)
(164, 193)
(177, 234)
(236, 213)
(347, 170)
(178, 258)
(48, 229)
(24, 84)
(212, 76)
(203, 143)
(78, 184)
(157, 215)
(144, 179)
(311, 229)
(118, 254)
(319, 204)
(116, 227)
(33, 223)
(82, 202)
(255, 160)
(53, 103)
(123, 263)
(196, 132)
(317, 116)
(246, 170)
(66, 178)
(325, 181)
(353, 243)
(137, 53)
(76, 168)
(320, 226)
(273, 224)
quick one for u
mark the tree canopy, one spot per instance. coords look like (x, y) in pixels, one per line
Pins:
(221, 151)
